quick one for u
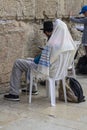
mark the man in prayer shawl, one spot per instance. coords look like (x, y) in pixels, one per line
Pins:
(59, 40)
(24, 65)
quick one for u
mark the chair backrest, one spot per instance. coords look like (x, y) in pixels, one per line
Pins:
(63, 64)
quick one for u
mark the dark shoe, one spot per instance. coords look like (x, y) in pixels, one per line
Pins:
(27, 91)
(12, 97)
(34, 92)
(24, 90)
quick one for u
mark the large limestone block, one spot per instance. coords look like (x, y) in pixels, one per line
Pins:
(28, 7)
(46, 8)
(17, 9)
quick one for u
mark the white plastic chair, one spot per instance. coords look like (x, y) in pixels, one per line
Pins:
(61, 73)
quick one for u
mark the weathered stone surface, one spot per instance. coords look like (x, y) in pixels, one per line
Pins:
(46, 8)
(13, 42)
(30, 9)
(61, 8)
(20, 22)
(17, 9)
(84, 2)
(71, 6)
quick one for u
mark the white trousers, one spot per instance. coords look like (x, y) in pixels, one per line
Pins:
(20, 66)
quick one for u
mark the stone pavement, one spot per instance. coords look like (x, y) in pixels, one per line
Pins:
(40, 115)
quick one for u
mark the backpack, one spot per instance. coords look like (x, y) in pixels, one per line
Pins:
(82, 65)
(74, 91)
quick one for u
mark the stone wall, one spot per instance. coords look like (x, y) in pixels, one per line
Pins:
(20, 23)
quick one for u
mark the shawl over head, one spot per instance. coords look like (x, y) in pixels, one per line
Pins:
(60, 41)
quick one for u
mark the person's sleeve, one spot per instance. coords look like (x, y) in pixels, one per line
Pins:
(80, 28)
(79, 20)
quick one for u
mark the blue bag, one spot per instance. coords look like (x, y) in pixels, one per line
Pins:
(36, 59)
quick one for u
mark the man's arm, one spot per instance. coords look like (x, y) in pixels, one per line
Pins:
(78, 20)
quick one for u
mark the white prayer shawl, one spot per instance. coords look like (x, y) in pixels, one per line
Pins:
(60, 41)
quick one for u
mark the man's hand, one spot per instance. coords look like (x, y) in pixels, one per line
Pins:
(40, 47)
(70, 13)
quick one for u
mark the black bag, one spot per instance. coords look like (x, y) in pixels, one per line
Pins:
(70, 94)
(82, 65)
(77, 89)
(74, 91)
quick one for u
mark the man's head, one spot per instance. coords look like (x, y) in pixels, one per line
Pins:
(47, 28)
(84, 10)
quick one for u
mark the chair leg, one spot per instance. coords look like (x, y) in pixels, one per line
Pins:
(47, 89)
(52, 91)
(31, 84)
(64, 90)
(73, 69)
